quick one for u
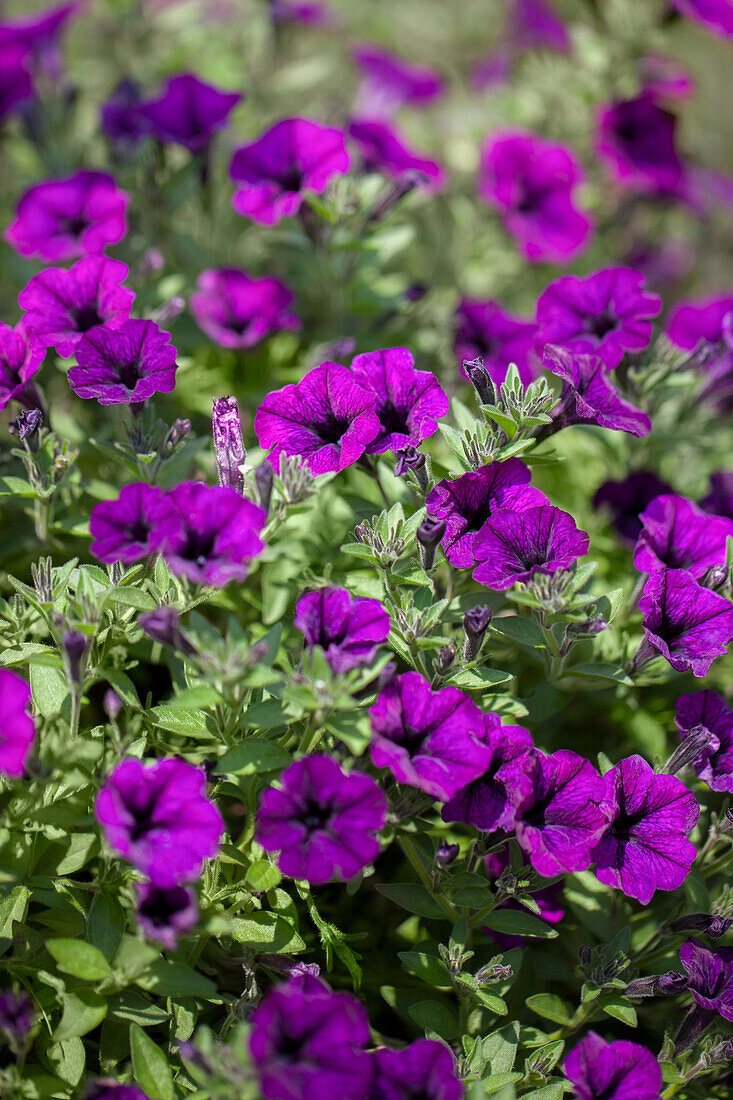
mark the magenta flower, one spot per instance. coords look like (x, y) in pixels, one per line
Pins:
(636, 140)
(707, 325)
(221, 532)
(588, 396)
(489, 802)
(188, 112)
(716, 15)
(607, 313)
(121, 119)
(39, 34)
(408, 402)
(17, 728)
(719, 501)
(349, 629)
(308, 1042)
(141, 521)
(238, 311)
(562, 819)
(21, 356)
(275, 172)
(707, 710)
(383, 150)
(467, 502)
(61, 305)
(664, 76)
(165, 914)
(678, 535)
(532, 184)
(322, 820)
(514, 546)
(484, 330)
(425, 1069)
(158, 818)
(710, 975)
(125, 365)
(689, 625)
(627, 499)
(111, 1090)
(432, 740)
(16, 85)
(620, 1070)
(390, 82)
(61, 219)
(328, 418)
(650, 817)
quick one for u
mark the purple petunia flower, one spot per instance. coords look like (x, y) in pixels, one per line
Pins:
(608, 313)
(124, 366)
(61, 305)
(408, 402)
(16, 85)
(619, 1070)
(432, 740)
(716, 15)
(307, 1041)
(425, 1069)
(514, 546)
(166, 914)
(322, 820)
(383, 150)
(188, 112)
(708, 710)
(467, 502)
(531, 183)
(61, 219)
(221, 532)
(120, 117)
(689, 625)
(238, 311)
(39, 34)
(484, 330)
(627, 499)
(664, 76)
(705, 324)
(489, 802)
(158, 818)
(588, 395)
(348, 628)
(636, 139)
(17, 728)
(274, 173)
(141, 521)
(21, 356)
(389, 82)
(16, 1015)
(719, 500)
(328, 418)
(650, 817)
(562, 819)
(678, 535)
(111, 1090)
(710, 980)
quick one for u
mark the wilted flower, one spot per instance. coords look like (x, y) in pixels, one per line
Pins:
(425, 1068)
(125, 365)
(678, 535)
(26, 423)
(514, 546)
(221, 534)
(139, 522)
(21, 355)
(347, 628)
(322, 820)
(237, 311)
(589, 397)
(716, 15)
(17, 728)
(485, 331)
(636, 139)
(384, 150)
(164, 626)
(689, 625)
(627, 499)
(165, 914)
(188, 112)
(708, 711)
(408, 402)
(619, 1070)
(389, 82)
(228, 443)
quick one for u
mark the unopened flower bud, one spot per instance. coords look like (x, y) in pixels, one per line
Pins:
(585, 955)
(715, 577)
(164, 625)
(493, 973)
(264, 480)
(429, 534)
(481, 381)
(26, 423)
(361, 533)
(444, 660)
(710, 924)
(416, 292)
(475, 624)
(657, 985)
(409, 459)
(446, 854)
(228, 442)
(690, 748)
(587, 628)
(112, 704)
(74, 645)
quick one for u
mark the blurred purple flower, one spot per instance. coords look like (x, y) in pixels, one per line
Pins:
(531, 182)
(664, 76)
(689, 625)
(141, 521)
(121, 119)
(425, 1069)
(389, 82)
(21, 356)
(710, 711)
(221, 533)
(274, 173)
(112, 1090)
(165, 914)
(347, 628)
(716, 15)
(15, 81)
(158, 818)
(514, 546)
(678, 535)
(484, 330)
(62, 304)
(328, 418)
(17, 729)
(39, 34)
(124, 366)
(588, 395)
(627, 499)
(531, 25)
(703, 325)
(618, 1070)
(428, 739)
(719, 501)
(322, 820)
(16, 1015)
(408, 402)
(237, 310)
(188, 112)
(636, 140)
(383, 150)
(60, 219)
(306, 13)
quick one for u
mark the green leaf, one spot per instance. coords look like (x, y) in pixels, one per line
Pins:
(518, 923)
(16, 487)
(175, 979)
(67, 1059)
(553, 1091)
(475, 679)
(499, 1081)
(253, 757)
(550, 1007)
(150, 1066)
(189, 723)
(621, 1010)
(131, 597)
(429, 968)
(49, 688)
(412, 896)
(106, 923)
(600, 670)
(123, 686)
(83, 1011)
(12, 908)
(525, 631)
(79, 959)
(262, 876)
(437, 1016)
(266, 932)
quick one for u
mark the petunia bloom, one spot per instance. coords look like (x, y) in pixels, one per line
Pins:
(716, 15)
(275, 172)
(307, 1041)
(62, 304)
(702, 325)
(21, 356)
(60, 219)
(679, 535)
(618, 1070)
(328, 418)
(484, 330)
(166, 914)
(689, 625)
(627, 499)
(16, 86)
(425, 1068)
(710, 980)
(608, 312)
(514, 546)
(322, 820)
(383, 149)
(408, 402)
(141, 521)
(636, 139)
(389, 82)
(562, 820)
(221, 534)
(467, 502)
(347, 628)
(16, 1015)
(650, 817)
(17, 728)
(532, 184)
(188, 112)
(39, 34)
(708, 710)
(719, 500)
(120, 117)
(432, 740)
(111, 1090)
(125, 365)
(589, 397)
(158, 818)
(238, 311)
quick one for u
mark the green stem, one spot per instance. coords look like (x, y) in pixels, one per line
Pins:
(409, 849)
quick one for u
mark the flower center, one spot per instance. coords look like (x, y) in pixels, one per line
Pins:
(601, 324)
(86, 317)
(331, 428)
